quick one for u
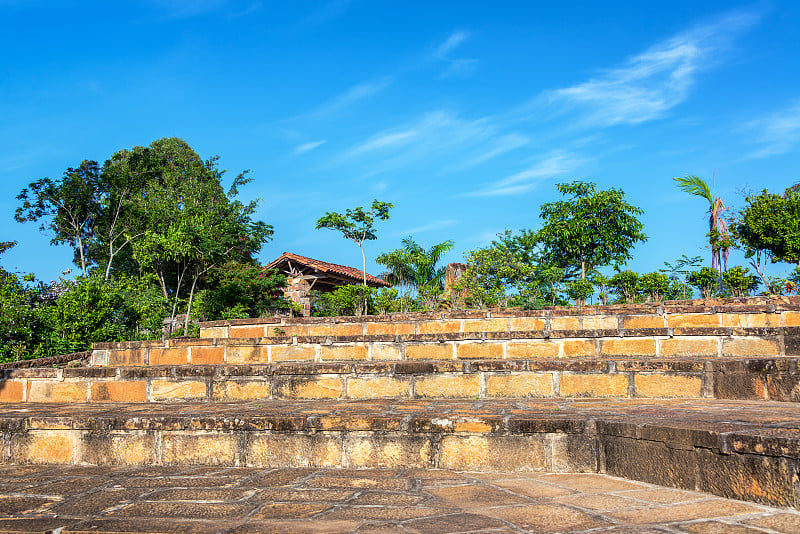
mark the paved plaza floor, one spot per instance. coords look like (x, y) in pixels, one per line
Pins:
(237, 500)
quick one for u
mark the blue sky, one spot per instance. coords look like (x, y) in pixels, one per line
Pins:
(463, 114)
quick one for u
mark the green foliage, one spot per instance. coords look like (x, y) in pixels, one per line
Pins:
(387, 300)
(238, 291)
(654, 286)
(344, 300)
(704, 280)
(624, 284)
(417, 268)
(739, 281)
(770, 225)
(580, 291)
(590, 229)
(694, 185)
(677, 273)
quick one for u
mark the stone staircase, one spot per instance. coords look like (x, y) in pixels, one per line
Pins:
(693, 395)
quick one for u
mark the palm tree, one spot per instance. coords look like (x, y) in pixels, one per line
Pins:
(717, 228)
(414, 267)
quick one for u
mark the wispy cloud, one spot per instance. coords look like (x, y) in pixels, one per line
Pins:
(454, 66)
(348, 98)
(648, 84)
(181, 9)
(435, 225)
(306, 147)
(549, 166)
(778, 132)
(384, 140)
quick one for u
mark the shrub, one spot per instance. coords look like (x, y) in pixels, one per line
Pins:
(739, 281)
(579, 291)
(654, 286)
(344, 300)
(704, 280)
(624, 285)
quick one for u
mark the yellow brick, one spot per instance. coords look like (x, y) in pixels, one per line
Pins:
(41, 391)
(286, 330)
(487, 350)
(497, 453)
(162, 390)
(520, 385)
(207, 355)
(386, 351)
(532, 349)
(124, 391)
(593, 385)
(294, 450)
(126, 357)
(121, 448)
(214, 332)
(628, 347)
(387, 452)
(313, 388)
(750, 346)
(689, 347)
(212, 448)
(565, 323)
(378, 388)
(461, 386)
(45, 447)
(429, 351)
(170, 356)
(643, 321)
(344, 352)
(247, 354)
(693, 320)
(751, 319)
(246, 331)
(439, 327)
(526, 324)
(791, 318)
(577, 348)
(600, 322)
(394, 329)
(660, 386)
(282, 353)
(247, 390)
(11, 390)
(336, 329)
(486, 325)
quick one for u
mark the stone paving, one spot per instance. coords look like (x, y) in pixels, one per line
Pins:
(74, 499)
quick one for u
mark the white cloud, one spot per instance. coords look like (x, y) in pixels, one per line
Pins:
(552, 165)
(350, 97)
(778, 132)
(435, 225)
(648, 84)
(451, 43)
(306, 147)
(455, 66)
(384, 140)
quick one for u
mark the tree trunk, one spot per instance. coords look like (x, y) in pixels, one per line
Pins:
(189, 306)
(83, 260)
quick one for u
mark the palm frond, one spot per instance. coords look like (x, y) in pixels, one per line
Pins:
(694, 185)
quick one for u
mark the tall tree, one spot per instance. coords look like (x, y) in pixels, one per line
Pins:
(357, 225)
(718, 236)
(416, 267)
(589, 229)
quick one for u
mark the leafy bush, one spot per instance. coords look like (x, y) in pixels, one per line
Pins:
(624, 284)
(344, 300)
(704, 280)
(579, 291)
(739, 281)
(239, 291)
(386, 300)
(654, 286)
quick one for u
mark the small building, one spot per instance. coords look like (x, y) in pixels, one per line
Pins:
(304, 274)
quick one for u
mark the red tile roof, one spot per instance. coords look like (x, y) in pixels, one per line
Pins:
(342, 270)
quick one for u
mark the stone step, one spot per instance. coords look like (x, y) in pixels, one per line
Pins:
(737, 449)
(744, 379)
(670, 342)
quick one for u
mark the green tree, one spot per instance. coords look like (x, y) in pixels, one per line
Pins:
(590, 229)
(239, 290)
(654, 286)
(768, 228)
(357, 225)
(678, 272)
(625, 284)
(417, 268)
(739, 281)
(704, 280)
(717, 227)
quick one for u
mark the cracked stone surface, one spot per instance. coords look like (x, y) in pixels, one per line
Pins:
(83, 499)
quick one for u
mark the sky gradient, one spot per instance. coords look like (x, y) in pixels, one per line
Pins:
(462, 114)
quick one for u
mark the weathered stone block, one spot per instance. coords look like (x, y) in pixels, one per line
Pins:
(663, 386)
(750, 320)
(11, 390)
(593, 385)
(394, 329)
(457, 386)
(495, 453)
(532, 349)
(300, 387)
(231, 390)
(791, 318)
(750, 346)
(470, 350)
(207, 355)
(371, 450)
(565, 323)
(600, 322)
(572, 453)
(643, 321)
(485, 325)
(520, 385)
(282, 353)
(429, 351)
(199, 448)
(526, 324)
(239, 354)
(171, 390)
(689, 347)
(578, 348)
(119, 391)
(128, 447)
(380, 387)
(357, 351)
(45, 447)
(649, 461)
(628, 347)
(386, 351)
(169, 356)
(126, 357)
(294, 450)
(439, 327)
(214, 332)
(337, 329)
(693, 320)
(46, 391)
(247, 331)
